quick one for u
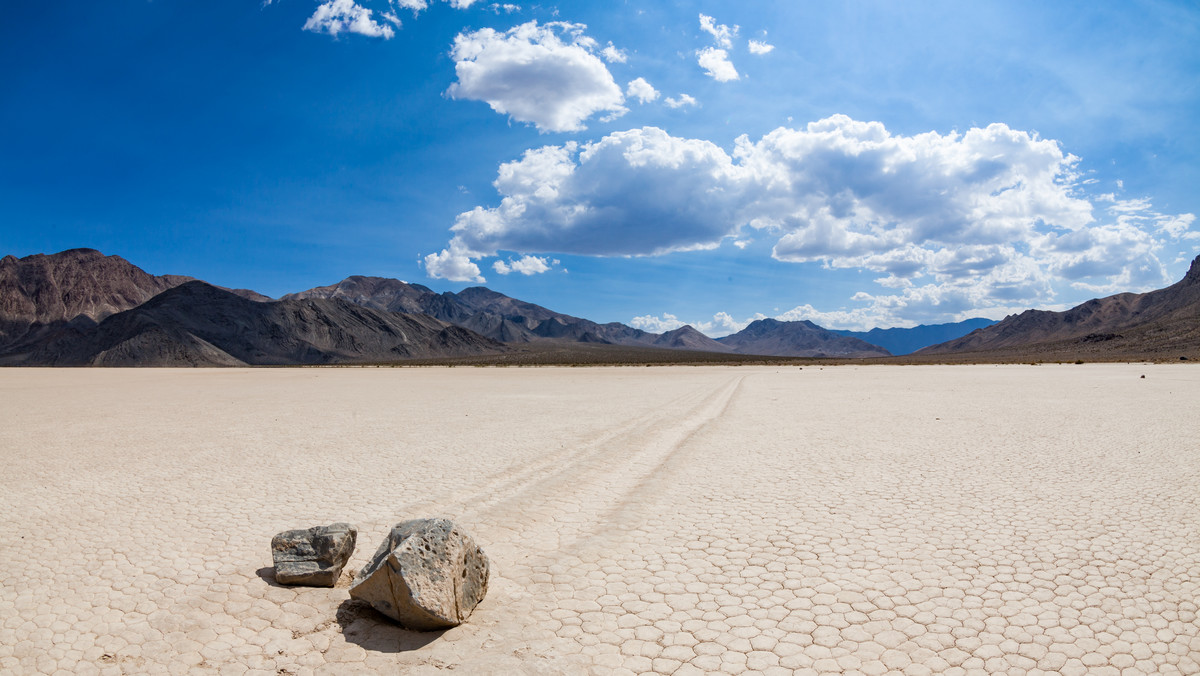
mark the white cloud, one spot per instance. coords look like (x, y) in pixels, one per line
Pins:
(546, 75)
(721, 324)
(683, 100)
(953, 225)
(507, 8)
(849, 190)
(599, 198)
(346, 16)
(716, 64)
(613, 55)
(668, 322)
(454, 264)
(641, 90)
(421, 5)
(757, 47)
(723, 35)
(527, 265)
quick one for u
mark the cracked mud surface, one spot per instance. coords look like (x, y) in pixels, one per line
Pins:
(907, 520)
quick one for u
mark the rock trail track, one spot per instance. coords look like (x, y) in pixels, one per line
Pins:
(875, 520)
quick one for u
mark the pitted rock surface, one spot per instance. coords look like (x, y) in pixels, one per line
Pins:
(313, 557)
(427, 574)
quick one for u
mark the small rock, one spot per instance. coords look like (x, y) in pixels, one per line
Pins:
(428, 574)
(313, 557)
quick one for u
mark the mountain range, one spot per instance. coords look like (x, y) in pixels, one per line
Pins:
(1138, 325)
(80, 307)
(196, 324)
(511, 321)
(900, 341)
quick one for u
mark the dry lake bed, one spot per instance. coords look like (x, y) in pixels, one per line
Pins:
(675, 520)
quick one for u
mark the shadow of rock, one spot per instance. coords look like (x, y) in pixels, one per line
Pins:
(369, 629)
(267, 574)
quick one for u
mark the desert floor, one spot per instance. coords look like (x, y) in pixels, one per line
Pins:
(871, 519)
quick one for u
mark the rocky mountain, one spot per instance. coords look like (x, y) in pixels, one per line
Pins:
(377, 293)
(482, 310)
(1166, 320)
(687, 338)
(905, 341)
(797, 339)
(78, 287)
(196, 324)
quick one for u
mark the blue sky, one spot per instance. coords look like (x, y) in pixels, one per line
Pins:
(857, 164)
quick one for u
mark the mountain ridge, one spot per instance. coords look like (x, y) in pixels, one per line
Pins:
(1166, 319)
(773, 337)
(42, 293)
(902, 341)
(480, 309)
(56, 308)
(197, 324)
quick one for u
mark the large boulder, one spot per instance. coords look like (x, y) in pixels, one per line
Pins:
(428, 574)
(314, 556)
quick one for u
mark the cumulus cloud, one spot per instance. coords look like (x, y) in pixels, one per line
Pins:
(757, 47)
(548, 76)
(667, 322)
(346, 16)
(716, 64)
(419, 5)
(723, 35)
(526, 265)
(613, 55)
(721, 324)
(989, 220)
(641, 90)
(455, 264)
(631, 193)
(683, 100)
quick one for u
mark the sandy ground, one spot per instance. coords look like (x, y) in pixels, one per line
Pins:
(915, 520)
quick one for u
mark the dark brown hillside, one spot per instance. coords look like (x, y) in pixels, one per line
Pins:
(377, 293)
(479, 309)
(797, 339)
(45, 293)
(1156, 322)
(79, 285)
(687, 338)
(196, 324)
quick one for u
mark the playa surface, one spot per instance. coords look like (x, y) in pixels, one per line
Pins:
(915, 520)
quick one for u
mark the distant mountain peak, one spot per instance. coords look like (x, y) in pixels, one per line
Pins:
(76, 285)
(1193, 273)
(687, 337)
(1142, 324)
(900, 341)
(797, 339)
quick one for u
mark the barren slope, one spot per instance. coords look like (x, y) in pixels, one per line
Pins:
(1166, 320)
(196, 324)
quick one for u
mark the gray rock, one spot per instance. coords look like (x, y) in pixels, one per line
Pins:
(428, 574)
(313, 557)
